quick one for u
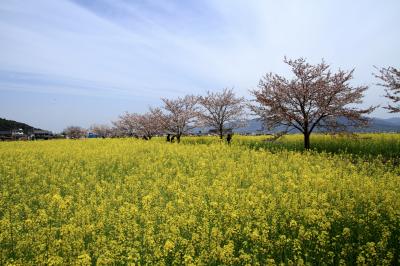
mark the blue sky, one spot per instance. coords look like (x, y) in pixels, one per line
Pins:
(82, 62)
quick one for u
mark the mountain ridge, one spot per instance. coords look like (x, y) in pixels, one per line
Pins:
(7, 125)
(376, 125)
(253, 126)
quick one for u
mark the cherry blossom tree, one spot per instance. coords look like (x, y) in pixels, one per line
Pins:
(390, 77)
(101, 130)
(180, 115)
(124, 126)
(142, 125)
(74, 132)
(314, 97)
(222, 111)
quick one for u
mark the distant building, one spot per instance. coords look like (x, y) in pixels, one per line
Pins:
(17, 134)
(41, 134)
(12, 134)
(5, 134)
(92, 135)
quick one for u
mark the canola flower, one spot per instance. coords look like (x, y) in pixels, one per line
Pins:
(366, 145)
(134, 202)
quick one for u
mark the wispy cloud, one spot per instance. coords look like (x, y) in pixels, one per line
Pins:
(147, 49)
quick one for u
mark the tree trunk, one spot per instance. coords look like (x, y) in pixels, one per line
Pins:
(221, 132)
(178, 138)
(306, 140)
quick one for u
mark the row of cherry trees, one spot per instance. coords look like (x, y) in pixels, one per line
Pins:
(315, 97)
(177, 117)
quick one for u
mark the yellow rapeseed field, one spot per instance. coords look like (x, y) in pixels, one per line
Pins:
(135, 202)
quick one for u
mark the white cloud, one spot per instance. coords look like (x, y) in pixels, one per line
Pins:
(151, 49)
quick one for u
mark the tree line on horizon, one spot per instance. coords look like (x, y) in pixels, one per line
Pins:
(314, 98)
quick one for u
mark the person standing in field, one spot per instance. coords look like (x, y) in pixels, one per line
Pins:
(229, 138)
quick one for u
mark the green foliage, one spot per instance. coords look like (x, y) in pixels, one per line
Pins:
(134, 202)
(366, 145)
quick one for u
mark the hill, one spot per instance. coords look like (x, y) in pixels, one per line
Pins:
(6, 125)
(376, 125)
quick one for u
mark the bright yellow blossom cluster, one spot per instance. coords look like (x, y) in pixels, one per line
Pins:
(135, 202)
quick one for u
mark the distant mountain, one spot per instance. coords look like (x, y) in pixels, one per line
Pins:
(252, 126)
(383, 125)
(376, 125)
(394, 120)
(6, 125)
